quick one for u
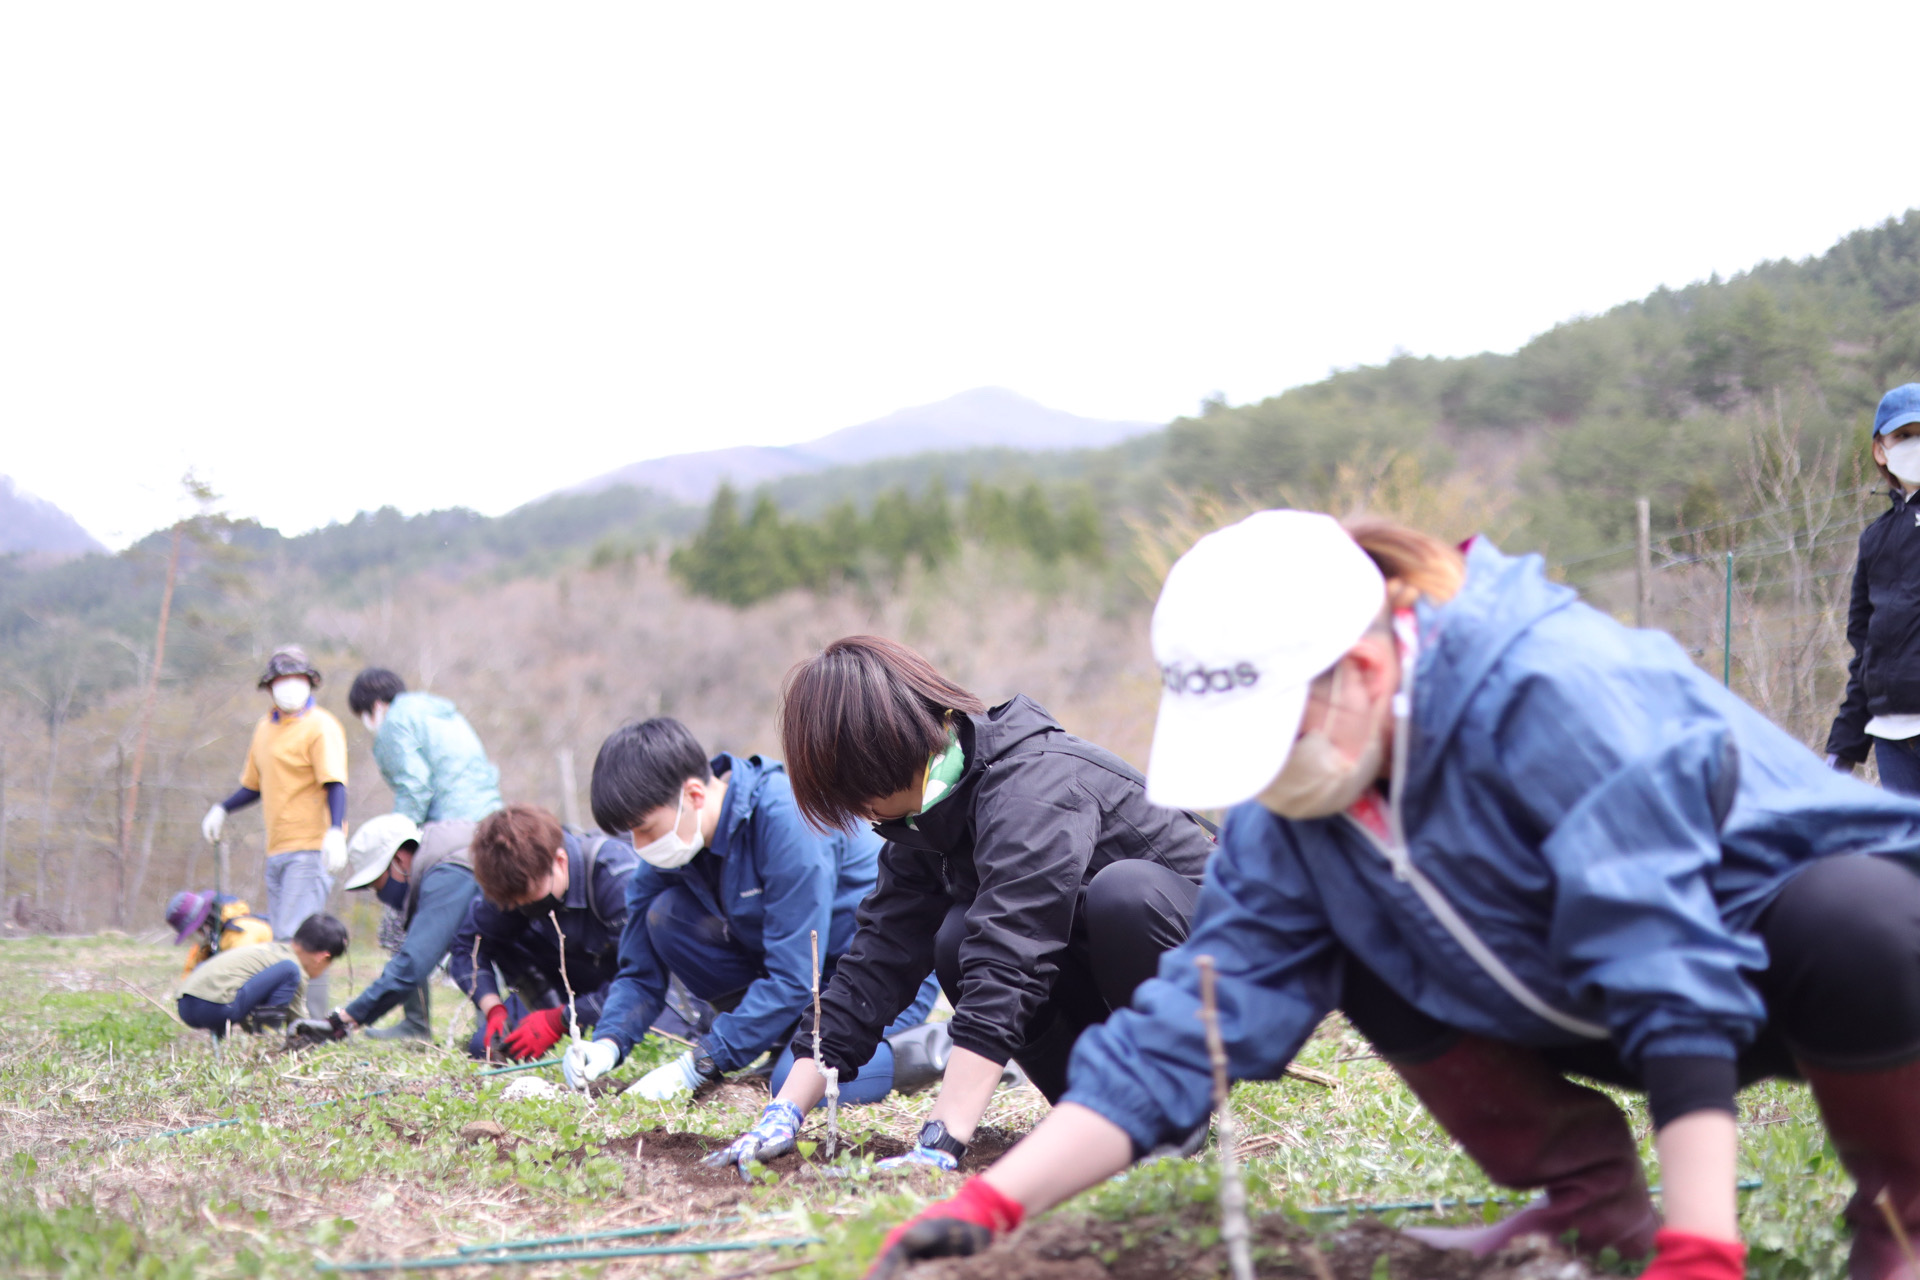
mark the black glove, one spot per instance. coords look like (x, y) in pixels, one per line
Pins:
(304, 1033)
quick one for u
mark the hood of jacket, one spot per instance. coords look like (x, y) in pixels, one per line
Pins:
(1463, 642)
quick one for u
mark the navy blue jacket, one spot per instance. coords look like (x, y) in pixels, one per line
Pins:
(1605, 817)
(445, 894)
(1883, 627)
(774, 880)
(527, 950)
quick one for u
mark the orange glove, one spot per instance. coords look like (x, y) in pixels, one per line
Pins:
(955, 1228)
(538, 1032)
(1680, 1256)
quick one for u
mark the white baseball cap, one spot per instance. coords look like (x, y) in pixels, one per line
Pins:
(1246, 620)
(374, 845)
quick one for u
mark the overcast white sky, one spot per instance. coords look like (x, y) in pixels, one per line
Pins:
(340, 256)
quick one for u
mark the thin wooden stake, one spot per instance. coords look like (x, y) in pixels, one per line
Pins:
(573, 1011)
(830, 1074)
(1898, 1228)
(1235, 1232)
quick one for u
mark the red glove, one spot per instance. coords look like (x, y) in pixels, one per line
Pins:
(496, 1029)
(1680, 1256)
(955, 1228)
(538, 1032)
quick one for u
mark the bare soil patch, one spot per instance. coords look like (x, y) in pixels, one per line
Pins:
(1077, 1247)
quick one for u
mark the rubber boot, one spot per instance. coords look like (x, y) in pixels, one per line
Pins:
(1873, 1119)
(416, 1022)
(920, 1056)
(1526, 1125)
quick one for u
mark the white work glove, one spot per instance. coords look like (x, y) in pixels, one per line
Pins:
(214, 823)
(333, 850)
(588, 1061)
(674, 1078)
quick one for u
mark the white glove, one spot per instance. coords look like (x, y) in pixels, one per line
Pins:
(214, 823)
(667, 1081)
(588, 1061)
(333, 850)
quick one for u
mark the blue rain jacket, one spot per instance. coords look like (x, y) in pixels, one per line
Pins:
(774, 880)
(434, 762)
(528, 950)
(1605, 817)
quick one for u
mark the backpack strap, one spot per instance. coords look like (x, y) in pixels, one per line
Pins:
(590, 846)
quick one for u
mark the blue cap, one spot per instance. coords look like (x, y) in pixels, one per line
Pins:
(1897, 408)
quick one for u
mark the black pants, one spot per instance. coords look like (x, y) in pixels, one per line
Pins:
(1128, 914)
(1842, 986)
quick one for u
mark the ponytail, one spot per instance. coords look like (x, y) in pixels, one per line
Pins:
(1414, 564)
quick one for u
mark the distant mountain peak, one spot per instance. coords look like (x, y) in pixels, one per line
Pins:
(983, 418)
(30, 524)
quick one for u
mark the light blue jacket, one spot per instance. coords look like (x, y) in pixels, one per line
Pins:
(1603, 817)
(433, 761)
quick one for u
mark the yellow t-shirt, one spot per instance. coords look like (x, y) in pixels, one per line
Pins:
(290, 763)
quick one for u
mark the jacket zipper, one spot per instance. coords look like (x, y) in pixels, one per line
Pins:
(1394, 850)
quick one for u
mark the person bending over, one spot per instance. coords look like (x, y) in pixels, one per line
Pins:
(1024, 867)
(1513, 840)
(438, 771)
(427, 878)
(261, 986)
(735, 884)
(532, 872)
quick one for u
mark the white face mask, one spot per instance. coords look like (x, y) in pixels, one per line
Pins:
(1317, 781)
(670, 851)
(290, 693)
(1903, 459)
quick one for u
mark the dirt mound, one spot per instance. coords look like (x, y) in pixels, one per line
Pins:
(1083, 1248)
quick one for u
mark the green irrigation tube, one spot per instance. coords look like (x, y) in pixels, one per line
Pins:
(1414, 1206)
(662, 1229)
(325, 1102)
(568, 1255)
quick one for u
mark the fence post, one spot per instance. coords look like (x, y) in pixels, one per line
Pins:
(1726, 632)
(1643, 562)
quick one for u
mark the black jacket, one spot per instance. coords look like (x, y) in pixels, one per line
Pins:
(1036, 813)
(1883, 626)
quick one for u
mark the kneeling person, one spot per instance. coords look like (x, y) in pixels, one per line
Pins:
(532, 872)
(261, 986)
(735, 886)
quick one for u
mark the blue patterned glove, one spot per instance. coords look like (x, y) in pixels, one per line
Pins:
(772, 1136)
(921, 1158)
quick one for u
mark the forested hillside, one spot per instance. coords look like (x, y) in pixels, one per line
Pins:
(1737, 408)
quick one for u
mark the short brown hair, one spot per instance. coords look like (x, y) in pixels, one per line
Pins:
(512, 850)
(859, 721)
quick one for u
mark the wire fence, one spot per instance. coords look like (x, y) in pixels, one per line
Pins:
(1759, 600)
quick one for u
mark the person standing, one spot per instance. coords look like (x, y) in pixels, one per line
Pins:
(296, 767)
(1881, 709)
(441, 779)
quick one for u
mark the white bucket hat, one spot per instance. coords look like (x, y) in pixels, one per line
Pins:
(1246, 620)
(374, 845)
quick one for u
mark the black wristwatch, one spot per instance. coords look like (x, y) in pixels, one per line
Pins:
(934, 1136)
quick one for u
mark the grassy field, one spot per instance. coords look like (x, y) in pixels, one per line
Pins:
(365, 1151)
